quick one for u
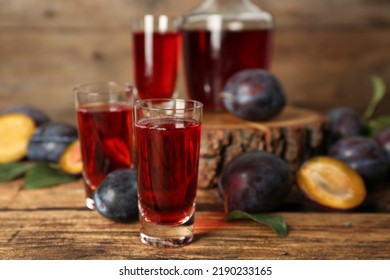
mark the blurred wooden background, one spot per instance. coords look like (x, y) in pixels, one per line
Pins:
(325, 50)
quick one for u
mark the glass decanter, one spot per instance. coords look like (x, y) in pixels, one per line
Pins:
(220, 38)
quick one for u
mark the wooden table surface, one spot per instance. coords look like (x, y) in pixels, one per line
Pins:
(52, 223)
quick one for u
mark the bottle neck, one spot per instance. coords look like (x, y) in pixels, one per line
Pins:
(226, 11)
(227, 7)
(227, 1)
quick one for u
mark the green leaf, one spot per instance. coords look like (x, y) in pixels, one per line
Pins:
(10, 171)
(276, 223)
(378, 124)
(42, 175)
(379, 93)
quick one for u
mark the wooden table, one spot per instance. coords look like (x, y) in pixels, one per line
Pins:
(52, 223)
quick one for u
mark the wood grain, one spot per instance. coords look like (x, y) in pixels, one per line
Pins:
(53, 223)
(325, 51)
(300, 13)
(82, 234)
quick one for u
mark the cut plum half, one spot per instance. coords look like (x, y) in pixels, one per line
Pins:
(331, 183)
(71, 161)
(15, 132)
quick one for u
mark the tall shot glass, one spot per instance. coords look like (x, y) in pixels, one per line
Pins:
(105, 119)
(167, 141)
(156, 54)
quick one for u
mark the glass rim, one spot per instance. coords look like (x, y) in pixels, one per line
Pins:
(161, 23)
(156, 15)
(141, 103)
(82, 88)
(138, 17)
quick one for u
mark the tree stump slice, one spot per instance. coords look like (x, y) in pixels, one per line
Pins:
(295, 135)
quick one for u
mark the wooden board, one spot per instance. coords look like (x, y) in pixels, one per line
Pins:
(75, 234)
(294, 135)
(53, 223)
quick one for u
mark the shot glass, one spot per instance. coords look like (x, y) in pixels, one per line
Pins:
(167, 137)
(105, 119)
(156, 53)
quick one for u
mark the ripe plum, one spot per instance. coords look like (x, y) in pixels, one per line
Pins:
(364, 155)
(254, 182)
(254, 95)
(346, 122)
(116, 197)
(50, 140)
(383, 139)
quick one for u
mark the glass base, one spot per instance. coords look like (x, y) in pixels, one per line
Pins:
(90, 203)
(167, 236)
(89, 191)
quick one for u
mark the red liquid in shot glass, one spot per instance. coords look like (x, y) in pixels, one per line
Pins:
(156, 61)
(105, 133)
(167, 163)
